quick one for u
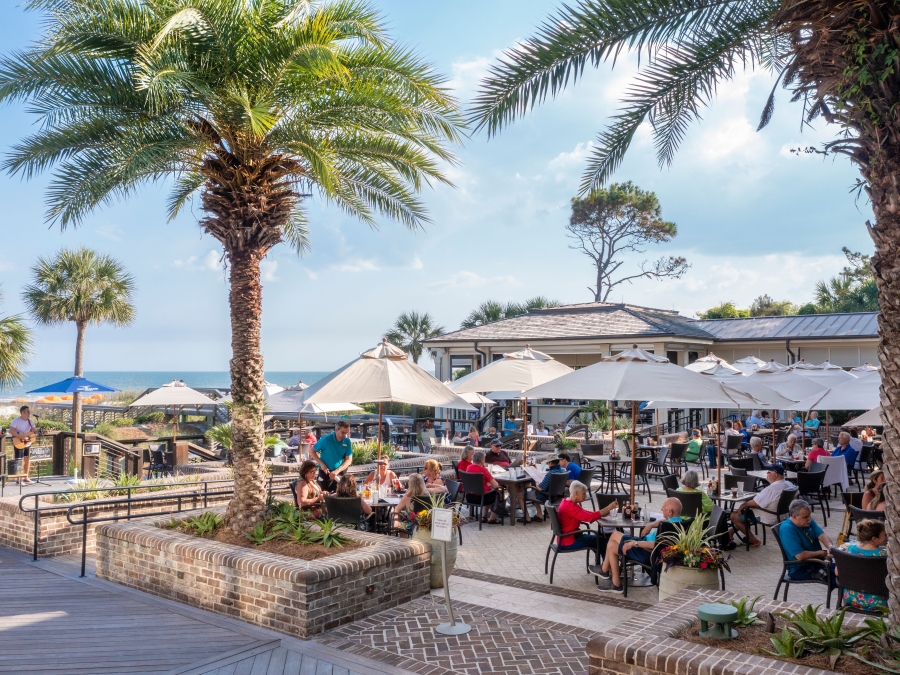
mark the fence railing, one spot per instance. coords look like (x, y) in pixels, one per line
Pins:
(177, 494)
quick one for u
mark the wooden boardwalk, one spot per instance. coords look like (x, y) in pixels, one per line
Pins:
(53, 622)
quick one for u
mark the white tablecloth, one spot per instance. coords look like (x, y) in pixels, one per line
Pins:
(836, 473)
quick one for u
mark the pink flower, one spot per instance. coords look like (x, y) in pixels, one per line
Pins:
(703, 566)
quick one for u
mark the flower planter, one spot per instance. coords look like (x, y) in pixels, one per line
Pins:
(437, 579)
(623, 446)
(677, 578)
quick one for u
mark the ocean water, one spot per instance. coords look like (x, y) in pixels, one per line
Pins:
(139, 380)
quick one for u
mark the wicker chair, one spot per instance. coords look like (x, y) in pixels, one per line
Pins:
(787, 564)
(860, 573)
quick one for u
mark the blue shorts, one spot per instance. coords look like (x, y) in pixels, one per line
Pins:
(636, 553)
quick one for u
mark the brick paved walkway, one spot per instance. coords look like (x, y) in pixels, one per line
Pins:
(500, 642)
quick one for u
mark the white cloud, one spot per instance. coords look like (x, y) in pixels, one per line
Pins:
(111, 232)
(210, 262)
(417, 264)
(466, 279)
(312, 275)
(468, 73)
(567, 164)
(267, 269)
(359, 265)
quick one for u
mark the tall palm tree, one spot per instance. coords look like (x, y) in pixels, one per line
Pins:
(838, 58)
(15, 348)
(491, 310)
(84, 287)
(410, 332)
(253, 105)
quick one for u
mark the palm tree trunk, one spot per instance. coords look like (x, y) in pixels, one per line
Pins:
(248, 505)
(80, 327)
(886, 263)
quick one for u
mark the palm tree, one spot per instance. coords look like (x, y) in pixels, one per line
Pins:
(410, 332)
(252, 105)
(84, 287)
(15, 348)
(492, 310)
(838, 58)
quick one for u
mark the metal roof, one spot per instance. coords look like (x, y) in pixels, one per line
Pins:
(807, 326)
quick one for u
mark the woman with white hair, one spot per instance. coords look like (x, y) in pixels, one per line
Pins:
(571, 515)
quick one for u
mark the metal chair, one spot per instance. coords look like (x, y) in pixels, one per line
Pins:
(677, 451)
(293, 486)
(587, 477)
(346, 510)
(669, 482)
(659, 466)
(556, 529)
(860, 573)
(691, 502)
(742, 483)
(700, 461)
(719, 522)
(473, 484)
(745, 463)
(810, 486)
(733, 445)
(641, 469)
(781, 510)
(738, 471)
(556, 489)
(787, 564)
(861, 465)
(158, 465)
(858, 514)
(654, 567)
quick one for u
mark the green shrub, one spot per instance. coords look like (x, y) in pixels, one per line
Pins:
(106, 429)
(52, 425)
(366, 452)
(123, 422)
(156, 416)
(193, 419)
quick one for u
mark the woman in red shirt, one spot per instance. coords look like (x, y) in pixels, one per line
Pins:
(817, 451)
(491, 488)
(571, 515)
(466, 460)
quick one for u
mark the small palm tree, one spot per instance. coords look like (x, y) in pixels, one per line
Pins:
(410, 332)
(494, 311)
(252, 105)
(15, 348)
(84, 287)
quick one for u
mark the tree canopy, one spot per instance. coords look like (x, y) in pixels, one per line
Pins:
(410, 332)
(491, 310)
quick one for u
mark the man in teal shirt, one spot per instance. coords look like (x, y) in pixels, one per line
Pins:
(334, 454)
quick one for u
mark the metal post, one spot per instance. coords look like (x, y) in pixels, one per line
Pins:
(451, 628)
(128, 517)
(205, 491)
(84, 540)
(37, 526)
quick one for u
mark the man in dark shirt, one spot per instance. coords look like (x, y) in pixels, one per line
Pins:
(497, 456)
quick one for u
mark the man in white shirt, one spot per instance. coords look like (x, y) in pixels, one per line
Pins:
(767, 498)
(22, 429)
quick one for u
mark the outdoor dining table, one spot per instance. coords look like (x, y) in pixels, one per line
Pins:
(513, 483)
(728, 502)
(609, 478)
(382, 508)
(795, 464)
(621, 522)
(790, 475)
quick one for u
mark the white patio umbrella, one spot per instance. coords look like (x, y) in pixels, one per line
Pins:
(269, 389)
(300, 386)
(748, 364)
(860, 394)
(789, 383)
(828, 375)
(384, 374)
(637, 375)
(711, 361)
(176, 394)
(475, 398)
(866, 370)
(872, 418)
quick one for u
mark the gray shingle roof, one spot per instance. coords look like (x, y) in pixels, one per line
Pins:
(587, 320)
(857, 324)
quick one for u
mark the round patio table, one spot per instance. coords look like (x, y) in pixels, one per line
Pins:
(609, 477)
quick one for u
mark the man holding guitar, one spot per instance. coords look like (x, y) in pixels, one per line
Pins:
(22, 429)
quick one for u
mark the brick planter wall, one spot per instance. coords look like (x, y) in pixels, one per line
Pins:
(297, 597)
(646, 645)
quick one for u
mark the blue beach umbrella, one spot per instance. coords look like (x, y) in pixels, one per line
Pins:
(73, 385)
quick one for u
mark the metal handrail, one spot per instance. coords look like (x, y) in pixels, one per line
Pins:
(129, 499)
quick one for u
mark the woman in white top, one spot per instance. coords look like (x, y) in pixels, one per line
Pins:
(541, 429)
(787, 448)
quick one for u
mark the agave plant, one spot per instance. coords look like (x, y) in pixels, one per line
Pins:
(328, 534)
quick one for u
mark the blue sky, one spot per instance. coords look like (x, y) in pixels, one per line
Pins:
(752, 218)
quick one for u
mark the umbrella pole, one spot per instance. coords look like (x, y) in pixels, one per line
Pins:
(633, 444)
(827, 430)
(380, 413)
(718, 452)
(525, 433)
(773, 434)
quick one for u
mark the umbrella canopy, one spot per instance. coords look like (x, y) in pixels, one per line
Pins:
(789, 383)
(300, 386)
(872, 418)
(72, 385)
(748, 364)
(293, 401)
(513, 374)
(699, 366)
(380, 375)
(269, 389)
(828, 365)
(475, 398)
(637, 375)
(175, 392)
(770, 367)
(867, 370)
(860, 394)
(831, 376)
(755, 388)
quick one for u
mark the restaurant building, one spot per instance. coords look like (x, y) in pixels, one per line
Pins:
(581, 334)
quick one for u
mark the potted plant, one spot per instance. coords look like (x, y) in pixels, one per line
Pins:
(421, 530)
(689, 559)
(623, 442)
(564, 443)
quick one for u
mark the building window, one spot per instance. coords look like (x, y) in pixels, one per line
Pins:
(673, 357)
(693, 356)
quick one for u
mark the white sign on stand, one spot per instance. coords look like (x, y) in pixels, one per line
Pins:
(442, 531)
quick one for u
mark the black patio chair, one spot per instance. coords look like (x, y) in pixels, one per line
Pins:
(781, 510)
(817, 466)
(556, 530)
(473, 484)
(654, 567)
(733, 446)
(787, 564)
(604, 499)
(861, 465)
(742, 483)
(293, 486)
(717, 531)
(455, 465)
(857, 514)
(745, 463)
(592, 449)
(860, 573)
(738, 471)
(158, 465)
(659, 466)
(701, 462)
(691, 502)
(810, 485)
(641, 471)
(556, 489)
(677, 451)
(587, 477)
(346, 510)
(669, 482)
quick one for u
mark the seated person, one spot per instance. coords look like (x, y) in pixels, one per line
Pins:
(812, 424)
(855, 441)
(786, 450)
(459, 437)
(754, 420)
(690, 482)
(818, 450)
(872, 539)
(415, 488)
(566, 463)
(803, 539)
(539, 494)
(571, 515)
(383, 476)
(766, 422)
(509, 426)
(491, 489)
(347, 488)
(492, 434)
(756, 450)
(873, 493)
(541, 429)
(767, 498)
(465, 460)
(309, 495)
(739, 428)
(878, 502)
(432, 474)
(294, 441)
(845, 450)
(474, 437)
(633, 548)
(497, 456)
(692, 454)
(797, 431)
